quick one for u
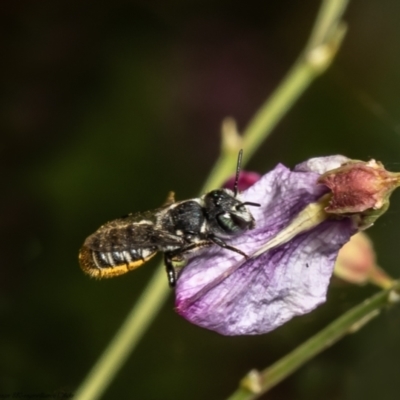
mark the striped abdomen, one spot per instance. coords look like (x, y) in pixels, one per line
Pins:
(100, 264)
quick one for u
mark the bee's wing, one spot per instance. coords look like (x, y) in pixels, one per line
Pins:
(128, 233)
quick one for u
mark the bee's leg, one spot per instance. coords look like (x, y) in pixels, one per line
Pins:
(219, 242)
(178, 256)
(171, 274)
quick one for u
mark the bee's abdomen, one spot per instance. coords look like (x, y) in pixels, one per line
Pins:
(107, 264)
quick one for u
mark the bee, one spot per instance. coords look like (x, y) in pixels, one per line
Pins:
(177, 229)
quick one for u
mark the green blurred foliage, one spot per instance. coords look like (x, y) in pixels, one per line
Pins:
(106, 106)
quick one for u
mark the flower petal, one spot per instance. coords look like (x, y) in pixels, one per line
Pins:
(320, 165)
(221, 291)
(282, 283)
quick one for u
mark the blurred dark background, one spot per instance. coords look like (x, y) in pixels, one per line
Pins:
(106, 106)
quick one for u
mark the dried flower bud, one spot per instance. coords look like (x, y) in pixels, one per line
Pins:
(360, 188)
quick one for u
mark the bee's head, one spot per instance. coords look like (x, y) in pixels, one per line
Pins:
(227, 215)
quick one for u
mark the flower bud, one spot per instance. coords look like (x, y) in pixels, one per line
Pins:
(246, 179)
(361, 189)
(356, 263)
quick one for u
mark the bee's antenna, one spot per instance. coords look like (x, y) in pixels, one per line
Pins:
(250, 203)
(238, 166)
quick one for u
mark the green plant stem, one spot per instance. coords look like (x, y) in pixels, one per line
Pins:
(329, 27)
(326, 37)
(128, 335)
(349, 322)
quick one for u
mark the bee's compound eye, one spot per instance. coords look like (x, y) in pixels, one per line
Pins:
(226, 222)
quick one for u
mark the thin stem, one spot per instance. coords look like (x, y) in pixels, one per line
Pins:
(128, 335)
(312, 63)
(314, 60)
(349, 322)
(327, 22)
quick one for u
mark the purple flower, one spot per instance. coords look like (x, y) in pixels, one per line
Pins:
(292, 252)
(246, 179)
